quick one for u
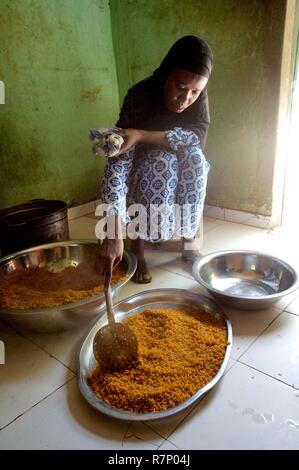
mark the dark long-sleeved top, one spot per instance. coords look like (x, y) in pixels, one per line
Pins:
(143, 108)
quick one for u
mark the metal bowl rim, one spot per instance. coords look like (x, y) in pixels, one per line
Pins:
(128, 254)
(200, 262)
(132, 416)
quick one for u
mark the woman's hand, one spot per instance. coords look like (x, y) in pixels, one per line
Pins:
(134, 136)
(131, 137)
(109, 255)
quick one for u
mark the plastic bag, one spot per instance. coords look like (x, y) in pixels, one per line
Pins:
(106, 142)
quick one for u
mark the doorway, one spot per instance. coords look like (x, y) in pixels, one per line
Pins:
(290, 214)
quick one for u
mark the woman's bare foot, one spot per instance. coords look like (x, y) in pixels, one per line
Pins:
(141, 275)
(189, 250)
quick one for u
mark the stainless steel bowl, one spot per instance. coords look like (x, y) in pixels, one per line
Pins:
(245, 279)
(151, 299)
(68, 315)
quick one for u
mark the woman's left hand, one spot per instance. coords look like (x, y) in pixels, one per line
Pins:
(131, 137)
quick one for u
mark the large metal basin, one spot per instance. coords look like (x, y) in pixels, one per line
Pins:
(245, 279)
(65, 316)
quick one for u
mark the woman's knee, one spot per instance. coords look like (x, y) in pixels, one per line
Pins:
(195, 159)
(159, 161)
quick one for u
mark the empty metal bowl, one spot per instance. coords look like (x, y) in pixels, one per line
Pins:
(60, 254)
(245, 279)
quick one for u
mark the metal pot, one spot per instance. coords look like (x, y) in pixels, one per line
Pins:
(70, 315)
(33, 223)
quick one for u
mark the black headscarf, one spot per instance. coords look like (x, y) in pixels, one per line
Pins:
(188, 53)
(144, 107)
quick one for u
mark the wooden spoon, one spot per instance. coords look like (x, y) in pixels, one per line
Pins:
(115, 345)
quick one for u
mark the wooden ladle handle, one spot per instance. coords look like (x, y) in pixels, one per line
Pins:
(109, 305)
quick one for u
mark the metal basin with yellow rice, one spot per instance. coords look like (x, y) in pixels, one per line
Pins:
(55, 287)
(161, 383)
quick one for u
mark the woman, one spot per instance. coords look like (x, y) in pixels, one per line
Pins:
(164, 122)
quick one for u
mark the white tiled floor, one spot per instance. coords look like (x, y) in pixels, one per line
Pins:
(254, 406)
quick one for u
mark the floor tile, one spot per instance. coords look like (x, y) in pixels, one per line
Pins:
(231, 236)
(172, 262)
(65, 421)
(276, 351)
(246, 410)
(287, 300)
(284, 231)
(28, 376)
(62, 345)
(167, 425)
(82, 228)
(140, 431)
(293, 307)
(167, 446)
(247, 326)
(161, 280)
(6, 331)
(253, 396)
(209, 224)
(157, 258)
(283, 248)
(164, 427)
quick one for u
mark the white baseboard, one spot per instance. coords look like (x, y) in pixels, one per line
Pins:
(82, 209)
(239, 217)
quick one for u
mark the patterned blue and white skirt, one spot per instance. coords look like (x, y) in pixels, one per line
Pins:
(158, 193)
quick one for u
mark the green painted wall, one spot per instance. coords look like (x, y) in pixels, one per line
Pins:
(57, 63)
(246, 38)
